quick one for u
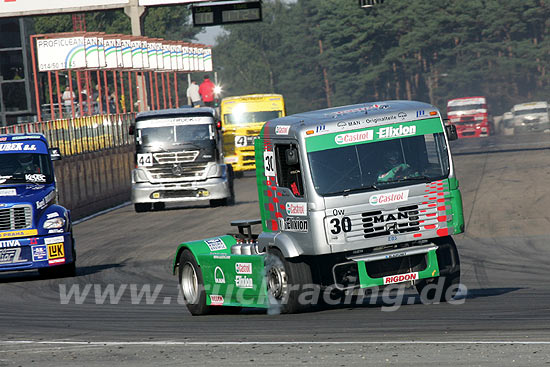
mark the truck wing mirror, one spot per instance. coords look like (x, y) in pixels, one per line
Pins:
(131, 129)
(451, 132)
(291, 156)
(55, 155)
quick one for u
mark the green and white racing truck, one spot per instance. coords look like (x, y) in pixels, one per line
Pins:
(350, 197)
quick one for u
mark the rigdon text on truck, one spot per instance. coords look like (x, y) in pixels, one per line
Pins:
(242, 119)
(351, 197)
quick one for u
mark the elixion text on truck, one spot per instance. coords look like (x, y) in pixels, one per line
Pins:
(35, 232)
(350, 197)
(470, 116)
(242, 118)
(179, 159)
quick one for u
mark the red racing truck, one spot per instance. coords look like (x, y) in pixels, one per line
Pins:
(470, 116)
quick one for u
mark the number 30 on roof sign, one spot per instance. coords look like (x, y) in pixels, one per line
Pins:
(269, 163)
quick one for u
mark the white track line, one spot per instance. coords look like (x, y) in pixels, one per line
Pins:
(206, 343)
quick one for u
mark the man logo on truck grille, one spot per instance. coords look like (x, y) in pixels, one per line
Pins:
(177, 170)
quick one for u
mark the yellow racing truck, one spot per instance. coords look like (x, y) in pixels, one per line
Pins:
(242, 120)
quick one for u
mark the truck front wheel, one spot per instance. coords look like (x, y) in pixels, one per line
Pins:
(142, 207)
(192, 284)
(444, 287)
(287, 280)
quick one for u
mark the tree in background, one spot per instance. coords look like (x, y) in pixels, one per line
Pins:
(321, 52)
(171, 23)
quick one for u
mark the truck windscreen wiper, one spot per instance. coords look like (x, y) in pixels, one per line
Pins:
(413, 178)
(360, 189)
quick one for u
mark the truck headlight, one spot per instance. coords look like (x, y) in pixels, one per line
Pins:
(54, 223)
(215, 170)
(479, 118)
(139, 175)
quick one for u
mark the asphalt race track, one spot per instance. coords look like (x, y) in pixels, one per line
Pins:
(504, 319)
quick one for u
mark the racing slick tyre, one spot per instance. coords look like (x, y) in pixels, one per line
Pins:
(192, 284)
(443, 288)
(142, 207)
(287, 279)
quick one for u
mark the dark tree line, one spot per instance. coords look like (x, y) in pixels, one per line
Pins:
(330, 52)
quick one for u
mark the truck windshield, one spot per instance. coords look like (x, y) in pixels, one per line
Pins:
(170, 136)
(531, 111)
(376, 165)
(244, 118)
(468, 107)
(30, 168)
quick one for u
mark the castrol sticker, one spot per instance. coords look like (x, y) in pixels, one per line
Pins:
(298, 209)
(389, 198)
(400, 278)
(355, 137)
(243, 268)
(282, 129)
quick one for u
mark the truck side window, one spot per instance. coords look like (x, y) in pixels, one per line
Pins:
(289, 175)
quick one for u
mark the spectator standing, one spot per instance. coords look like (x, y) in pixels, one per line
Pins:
(206, 91)
(193, 95)
(67, 97)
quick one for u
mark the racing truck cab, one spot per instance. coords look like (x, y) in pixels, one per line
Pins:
(35, 232)
(179, 159)
(350, 197)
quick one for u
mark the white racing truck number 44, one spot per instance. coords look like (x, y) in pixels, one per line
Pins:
(350, 197)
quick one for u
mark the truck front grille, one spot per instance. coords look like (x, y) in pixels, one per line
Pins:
(177, 171)
(17, 217)
(411, 218)
(176, 157)
(383, 223)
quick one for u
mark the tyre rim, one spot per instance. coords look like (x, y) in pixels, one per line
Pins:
(189, 283)
(277, 282)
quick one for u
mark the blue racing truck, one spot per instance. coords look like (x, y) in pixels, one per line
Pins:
(35, 232)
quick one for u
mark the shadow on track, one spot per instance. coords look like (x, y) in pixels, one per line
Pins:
(27, 276)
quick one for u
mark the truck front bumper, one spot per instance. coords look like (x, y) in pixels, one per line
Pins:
(37, 252)
(209, 189)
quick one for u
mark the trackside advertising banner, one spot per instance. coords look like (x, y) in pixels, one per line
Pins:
(373, 134)
(61, 53)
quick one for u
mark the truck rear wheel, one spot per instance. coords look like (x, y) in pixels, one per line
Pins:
(444, 287)
(286, 280)
(192, 284)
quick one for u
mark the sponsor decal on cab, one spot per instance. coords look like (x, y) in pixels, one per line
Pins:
(8, 192)
(242, 281)
(10, 243)
(215, 244)
(393, 132)
(219, 276)
(400, 278)
(299, 209)
(392, 197)
(19, 233)
(291, 224)
(243, 268)
(216, 300)
(282, 129)
(355, 137)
